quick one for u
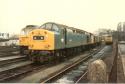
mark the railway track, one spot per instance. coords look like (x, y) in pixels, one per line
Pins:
(6, 75)
(10, 54)
(23, 70)
(8, 51)
(72, 69)
(13, 70)
(11, 59)
(8, 48)
(6, 54)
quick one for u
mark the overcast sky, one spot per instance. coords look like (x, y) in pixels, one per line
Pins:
(88, 15)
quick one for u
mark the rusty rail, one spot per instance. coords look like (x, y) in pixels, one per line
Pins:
(58, 74)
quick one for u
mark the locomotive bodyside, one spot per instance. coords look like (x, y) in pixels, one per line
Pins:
(53, 41)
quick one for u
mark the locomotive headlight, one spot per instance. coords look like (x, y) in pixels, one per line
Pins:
(34, 37)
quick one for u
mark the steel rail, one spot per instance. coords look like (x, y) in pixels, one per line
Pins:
(51, 78)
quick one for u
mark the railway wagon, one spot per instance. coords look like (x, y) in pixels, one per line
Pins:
(97, 40)
(90, 40)
(108, 39)
(54, 41)
(23, 39)
(93, 40)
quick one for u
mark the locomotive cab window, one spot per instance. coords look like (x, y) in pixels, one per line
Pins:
(22, 33)
(55, 28)
(43, 26)
(25, 32)
(49, 26)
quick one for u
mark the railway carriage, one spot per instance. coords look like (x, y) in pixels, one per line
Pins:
(92, 40)
(96, 40)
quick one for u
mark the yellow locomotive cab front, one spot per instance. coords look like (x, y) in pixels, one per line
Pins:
(23, 40)
(108, 40)
(41, 39)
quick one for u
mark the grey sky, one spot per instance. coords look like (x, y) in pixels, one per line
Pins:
(88, 15)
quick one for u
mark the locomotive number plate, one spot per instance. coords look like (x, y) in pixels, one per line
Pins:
(38, 37)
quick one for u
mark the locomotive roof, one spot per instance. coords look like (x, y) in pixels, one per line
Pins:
(28, 27)
(65, 26)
